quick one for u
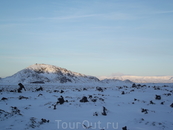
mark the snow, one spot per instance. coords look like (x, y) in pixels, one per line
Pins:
(122, 109)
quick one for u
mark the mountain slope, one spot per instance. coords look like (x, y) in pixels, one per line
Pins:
(43, 73)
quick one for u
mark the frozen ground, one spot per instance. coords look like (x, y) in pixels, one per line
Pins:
(109, 107)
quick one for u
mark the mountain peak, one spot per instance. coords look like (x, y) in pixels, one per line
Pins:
(49, 74)
(45, 68)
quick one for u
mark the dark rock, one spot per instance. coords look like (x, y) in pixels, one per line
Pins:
(4, 98)
(162, 103)
(15, 110)
(39, 89)
(12, 90)
(44, 121)
(93, 100)
(20, 88)
(124, 128)
(101, 99)
(61, 100)
(95, 114)
(171, 105)
(22, 97)
(167, 94)
(99, 89)
(151, 102)
(104, 111)
(84, 99)
(158, 97)
(145, 111)
(134, 85)
(54, 107)
(40, 95)
(61, 91)
(139, 85)
(122, 92)
(84, 89)
(132, 90)
(55, 91)
(90, 96)
(135, 99)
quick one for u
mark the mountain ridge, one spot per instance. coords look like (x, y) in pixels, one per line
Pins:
(45, 73)
(141, 79)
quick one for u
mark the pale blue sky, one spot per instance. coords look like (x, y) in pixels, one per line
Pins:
(93, 37)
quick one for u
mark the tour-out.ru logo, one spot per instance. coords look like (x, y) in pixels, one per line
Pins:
(86, 125)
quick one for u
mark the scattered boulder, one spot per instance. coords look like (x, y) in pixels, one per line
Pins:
(136, 99)
(22, 97)
(122, 92)
(54, 107)
(171, 105)
(55, 91)
(139, 85)
(93, 100)
(156, 88)
(162, 103)
(4, 98)
(61, 100)
(61, 91)
(151, 102)
(99, 89)
(95, 114)
(158, 97)
(90, 96)
(134, 85)
(167, 94)
(39, 89)
(44, 121)
(84, 89)
(124, 128)
(15, 110)
(104, 111)
(12, 90)
(34, 123)
(101, 99)
(20, 88)
(84, 99)
(145, 111)
(40, 95)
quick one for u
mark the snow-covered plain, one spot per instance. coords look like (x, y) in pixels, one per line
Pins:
(69, 100)
(124, 104)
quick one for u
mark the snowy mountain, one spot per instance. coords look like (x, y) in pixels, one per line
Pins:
(142, 79)
(43, 73)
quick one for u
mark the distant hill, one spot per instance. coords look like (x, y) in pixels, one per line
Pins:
(43, 73)
(142, 79)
